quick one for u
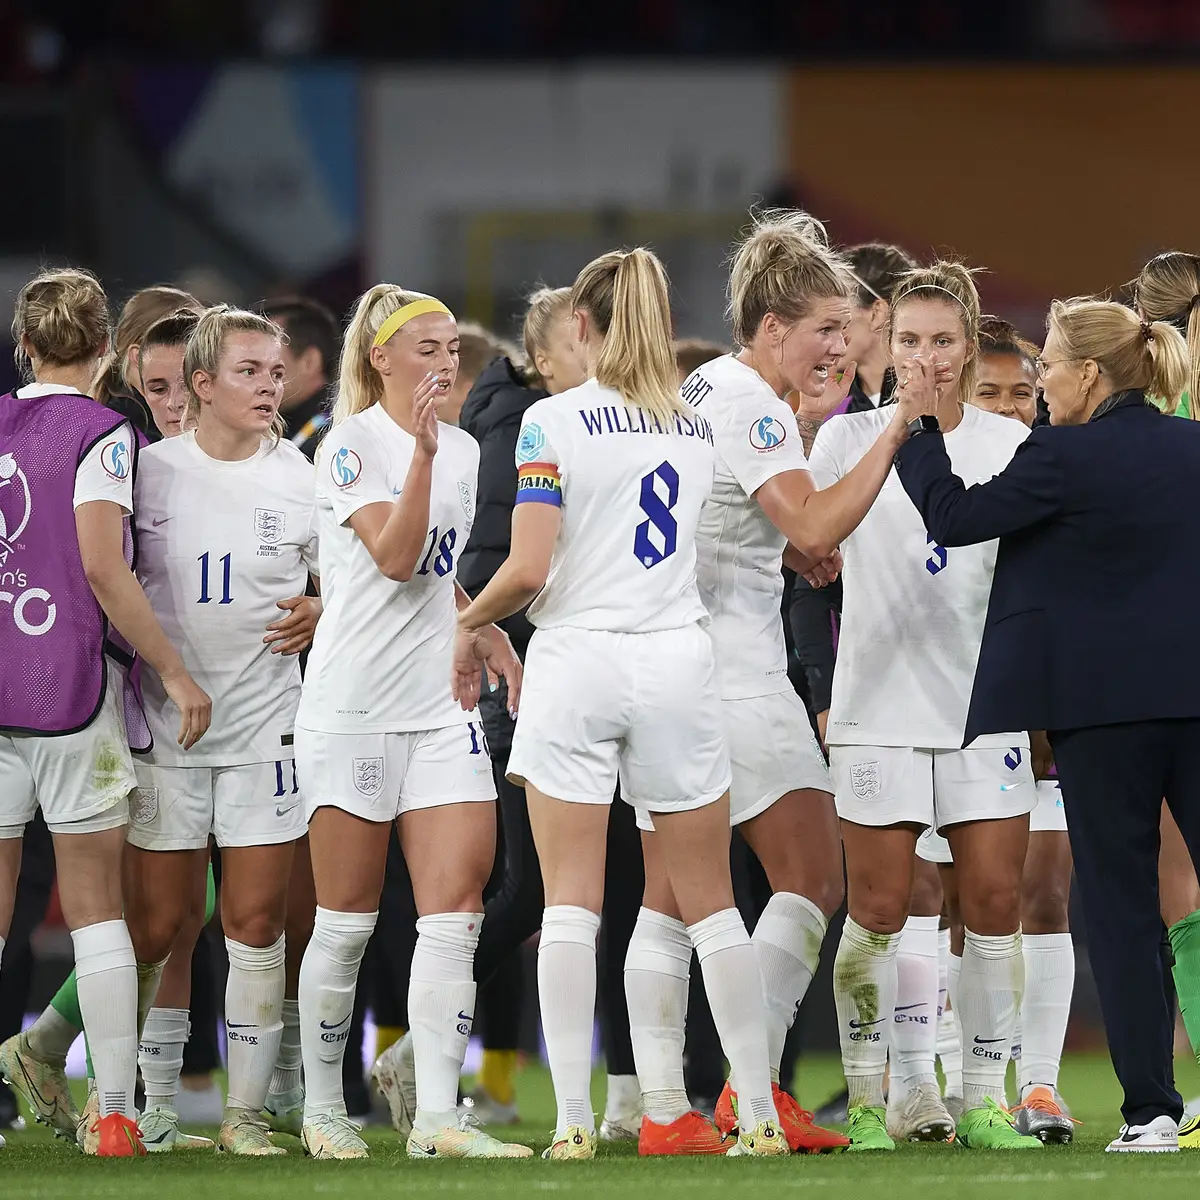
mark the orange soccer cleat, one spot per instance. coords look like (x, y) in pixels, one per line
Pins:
(803, 1135)
(119, 1137)
(691, 1134)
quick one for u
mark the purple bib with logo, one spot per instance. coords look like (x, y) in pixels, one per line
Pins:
(52, 630)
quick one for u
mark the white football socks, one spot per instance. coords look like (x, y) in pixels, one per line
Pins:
(914, 1030)
(1046, 1007)
(787, 940)
(441, 1009)
(733, 985)
(657, 966)
(149, 976)
(286, 1075)
(253, 1019)
(160, 1054)
(567, 997)
(949, 1041)
(989, 995)
(864, 991)
(107, 976)
(328, 979)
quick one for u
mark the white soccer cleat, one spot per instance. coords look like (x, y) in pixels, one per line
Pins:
(285, 1111)
(159, 1127)
(42, 1085)
(395, 1078)
(330, 1137)
(921, 1116)
(621, 1129)
(1158, 1137)
(466, 1140)
(245, 1133)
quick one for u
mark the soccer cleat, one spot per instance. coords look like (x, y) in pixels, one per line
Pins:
(87, 1132)
(328, 1136)
(867, 1130)
(285, 1111)
(466, 1140)
(159, 1127)
(1189, 1133)
(766, 1140)
(395, 1078)
(42, 1085)
(621, 1129)
(990, 1127)
(921, 1117)
(725, 1115)
(1160, 1136)
(955, 1107)
(575, 1143)
(1043, 1115)
(804, 1135)
(691, 1134)
(480, 1104)
(117, 1137)
(245, 1133)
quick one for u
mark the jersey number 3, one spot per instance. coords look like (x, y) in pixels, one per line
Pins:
(657, 536)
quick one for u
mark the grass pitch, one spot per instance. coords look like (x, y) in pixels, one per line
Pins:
(35, 1167)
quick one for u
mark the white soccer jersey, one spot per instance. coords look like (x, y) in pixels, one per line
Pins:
(631, 495)
(219, 545)
(381, 659)
(912, 611)
(739, 551)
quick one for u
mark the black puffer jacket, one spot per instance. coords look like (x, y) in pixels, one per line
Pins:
(492, 416)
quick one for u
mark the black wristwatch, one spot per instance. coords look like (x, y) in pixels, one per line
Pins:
(923, 424)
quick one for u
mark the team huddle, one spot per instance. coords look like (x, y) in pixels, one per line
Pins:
(159, 597)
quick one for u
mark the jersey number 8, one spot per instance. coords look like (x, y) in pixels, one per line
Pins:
(648, 550)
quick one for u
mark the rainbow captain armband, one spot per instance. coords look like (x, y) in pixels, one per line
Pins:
(539, 483)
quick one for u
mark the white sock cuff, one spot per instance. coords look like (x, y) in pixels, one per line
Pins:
(163, 1023)
(101, 947)
(1006, 945)
(724, 930)
(343, 936)
(568, 923)
(291, 1012)
(919, 937)
(785, 911)
(256, 958)
(880, 945)
(944, 943)
(452, 935)
(659, 943)
(1046, 943)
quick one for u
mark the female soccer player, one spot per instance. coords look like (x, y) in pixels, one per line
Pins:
(226, 526)
(1007, 386)
(912, 623)
(64, 745)
(380, 737)
(790, 303)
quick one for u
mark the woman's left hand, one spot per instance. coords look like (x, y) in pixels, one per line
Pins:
(294, 632)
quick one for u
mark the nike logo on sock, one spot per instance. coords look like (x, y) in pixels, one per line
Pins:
(906, 1007)
(336, 1024)
(988, 1041)
(864, 1024)
(235, 1025)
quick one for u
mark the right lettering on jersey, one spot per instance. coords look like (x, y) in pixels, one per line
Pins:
(695, 388)
(33, 611)
(611, 418)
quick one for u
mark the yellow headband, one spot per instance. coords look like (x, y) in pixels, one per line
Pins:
(404, 314)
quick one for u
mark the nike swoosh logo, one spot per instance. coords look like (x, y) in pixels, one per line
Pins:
(233, 1025)
(988, 1041)
(337, 1024)
(157, 521)
(864, 1024)
(162, 1137)
(462, 1016)
(906, 1007)
(430, 1150)
(282, 812)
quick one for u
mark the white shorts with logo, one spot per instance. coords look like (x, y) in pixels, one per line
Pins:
(176, 808)
(895, 785)
(642, 707)
(772, 751)
(80, 780)
(1048, 816)
(378, 776)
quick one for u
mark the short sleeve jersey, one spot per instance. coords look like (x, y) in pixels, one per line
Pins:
(382, 655)
(631, 490)
(739, 551)
(912, 611)
(106, 472)
(219, 544)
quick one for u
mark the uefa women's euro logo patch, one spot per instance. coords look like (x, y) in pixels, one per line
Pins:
(767, 433)
(345, 467)
(114, 458)
(531, 443)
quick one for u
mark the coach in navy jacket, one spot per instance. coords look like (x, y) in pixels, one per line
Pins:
(1092, 634)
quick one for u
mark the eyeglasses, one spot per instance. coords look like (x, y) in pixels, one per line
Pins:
(1040, 364)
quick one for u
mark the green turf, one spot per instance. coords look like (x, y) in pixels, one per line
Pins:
(34, 1167)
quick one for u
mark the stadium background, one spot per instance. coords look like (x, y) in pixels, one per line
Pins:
(296, 145)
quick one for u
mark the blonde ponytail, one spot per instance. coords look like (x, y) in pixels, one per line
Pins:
(359, 384)
(1168, 289)
(625, 293)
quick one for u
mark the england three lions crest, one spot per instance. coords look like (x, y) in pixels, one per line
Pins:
(269, 526)
(368, 776)
(467, 495)
(864, 779)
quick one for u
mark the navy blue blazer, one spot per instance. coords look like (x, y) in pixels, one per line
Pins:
(1094, 617)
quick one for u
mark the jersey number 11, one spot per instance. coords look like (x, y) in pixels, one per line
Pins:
(226, 598)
